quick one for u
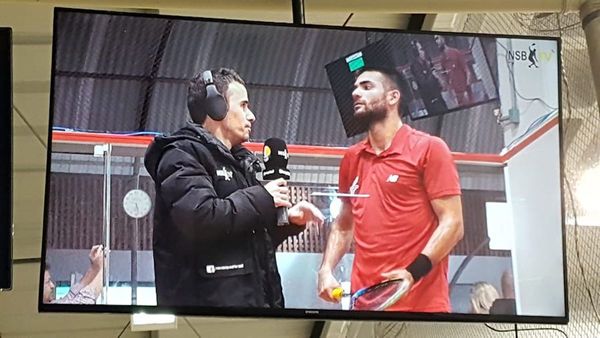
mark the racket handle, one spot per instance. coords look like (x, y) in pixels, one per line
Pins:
(337, 293)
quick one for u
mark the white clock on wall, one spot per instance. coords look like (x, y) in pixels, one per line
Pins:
(137, 203)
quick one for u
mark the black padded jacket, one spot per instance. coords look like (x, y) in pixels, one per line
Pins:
(215, 229)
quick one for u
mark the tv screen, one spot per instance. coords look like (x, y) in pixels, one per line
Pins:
(6, 227)
(423, 172)
(437, 77)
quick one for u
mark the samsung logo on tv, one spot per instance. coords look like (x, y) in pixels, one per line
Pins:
(532, 55)
(311, 312)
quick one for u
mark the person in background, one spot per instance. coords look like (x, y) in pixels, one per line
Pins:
(427, 79)
(483, 295)
(87, 290)
(458, 74)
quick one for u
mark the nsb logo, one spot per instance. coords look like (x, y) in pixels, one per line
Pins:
(532, 55)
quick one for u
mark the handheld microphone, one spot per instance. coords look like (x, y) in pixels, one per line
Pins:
(275, 157)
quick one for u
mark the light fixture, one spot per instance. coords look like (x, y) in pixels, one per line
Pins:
(586, 194)
(152, 322)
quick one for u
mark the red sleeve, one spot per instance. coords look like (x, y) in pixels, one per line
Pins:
(344, 179)
(440, 175)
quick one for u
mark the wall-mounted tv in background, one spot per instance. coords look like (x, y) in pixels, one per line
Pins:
(138, 218)
(6, 227)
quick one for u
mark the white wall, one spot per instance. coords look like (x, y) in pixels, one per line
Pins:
(533, 176)
(533, 190)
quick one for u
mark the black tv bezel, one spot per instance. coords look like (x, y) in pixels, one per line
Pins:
(314, 314)
(6, 222)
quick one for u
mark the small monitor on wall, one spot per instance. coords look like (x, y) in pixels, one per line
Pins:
(159, 127)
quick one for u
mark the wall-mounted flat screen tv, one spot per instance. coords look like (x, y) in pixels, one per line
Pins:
(423, 171)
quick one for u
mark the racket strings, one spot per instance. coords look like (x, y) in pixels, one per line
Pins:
(380, 296)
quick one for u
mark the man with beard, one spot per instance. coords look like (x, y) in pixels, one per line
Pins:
(412, 218)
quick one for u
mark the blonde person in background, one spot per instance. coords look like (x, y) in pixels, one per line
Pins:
(483, 295)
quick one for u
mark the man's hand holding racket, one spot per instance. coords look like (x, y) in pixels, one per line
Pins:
(399, 274)
(378, 297)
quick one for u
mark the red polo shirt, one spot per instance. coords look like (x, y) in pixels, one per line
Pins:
(394, 224)
(454, 61)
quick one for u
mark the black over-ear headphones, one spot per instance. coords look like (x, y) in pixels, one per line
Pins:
(214, 104)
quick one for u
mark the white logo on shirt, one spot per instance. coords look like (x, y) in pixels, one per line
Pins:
(213, 269)
(354, 186)
(392, 178)
(227, 174)
(283, 154)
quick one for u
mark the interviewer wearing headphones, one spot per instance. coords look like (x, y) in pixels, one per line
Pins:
(215, 226)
